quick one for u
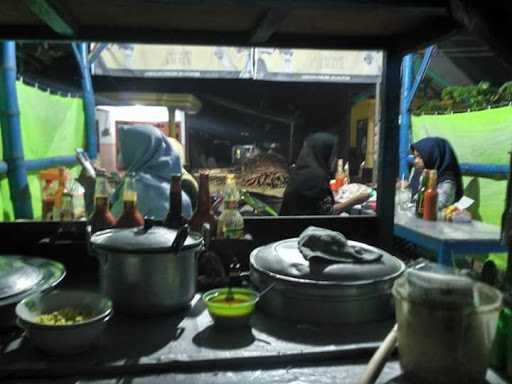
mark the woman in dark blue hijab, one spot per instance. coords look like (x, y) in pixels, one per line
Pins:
(437, 153)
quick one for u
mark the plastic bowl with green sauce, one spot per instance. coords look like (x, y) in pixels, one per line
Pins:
(234, 312)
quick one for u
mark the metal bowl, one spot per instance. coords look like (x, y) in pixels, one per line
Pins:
(66, 338)
(35, 275)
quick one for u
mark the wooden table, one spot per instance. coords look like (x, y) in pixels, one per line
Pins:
(447, 238)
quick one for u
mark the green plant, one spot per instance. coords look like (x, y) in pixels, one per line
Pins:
(504, 94)
(474, 97)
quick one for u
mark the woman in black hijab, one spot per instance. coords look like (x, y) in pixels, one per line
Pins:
(308, 191)
(437, 153)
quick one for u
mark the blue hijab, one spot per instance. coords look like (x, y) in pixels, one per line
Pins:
(438, 154)
(147, 154)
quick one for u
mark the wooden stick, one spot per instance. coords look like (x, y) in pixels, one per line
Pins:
(378, 360)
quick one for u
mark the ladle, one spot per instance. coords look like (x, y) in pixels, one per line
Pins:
(180, 238)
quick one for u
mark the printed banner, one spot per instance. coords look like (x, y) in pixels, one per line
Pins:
(143, 60)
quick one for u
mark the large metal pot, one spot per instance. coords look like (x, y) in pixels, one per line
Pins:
(323, 292)
(142, 273)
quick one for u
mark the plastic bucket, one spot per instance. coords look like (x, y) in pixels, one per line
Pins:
(441, 343)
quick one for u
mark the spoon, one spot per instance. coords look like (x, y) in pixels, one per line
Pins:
(234, 271)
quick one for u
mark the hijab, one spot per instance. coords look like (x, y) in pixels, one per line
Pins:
(438, 154)
(147, 154)
(313, 170)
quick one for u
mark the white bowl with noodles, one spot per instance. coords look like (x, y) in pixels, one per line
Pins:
(64, 322)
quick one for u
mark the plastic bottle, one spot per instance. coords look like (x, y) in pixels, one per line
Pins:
(430, 198)
(231, 222)
(131, 216)
(175, 218)
(421, 192)
(203, 214)
(101, 218)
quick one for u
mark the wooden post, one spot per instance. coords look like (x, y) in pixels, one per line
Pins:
(376, 132)
(388, 147)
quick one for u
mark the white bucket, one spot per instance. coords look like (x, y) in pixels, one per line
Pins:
(442, 342)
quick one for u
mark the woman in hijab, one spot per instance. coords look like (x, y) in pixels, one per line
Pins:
(437, 153)
(145, 153)
(308, 191)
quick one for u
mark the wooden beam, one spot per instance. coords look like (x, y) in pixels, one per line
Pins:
(53, 17)
(388, 147)
(268, 25)
(157, 36)
(305, 4)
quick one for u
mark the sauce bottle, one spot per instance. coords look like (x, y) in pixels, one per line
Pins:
(203, 214)
(131, 216)
(175, 218)
(231, 222)
(101, 218)
(421, 193)
(430, 197)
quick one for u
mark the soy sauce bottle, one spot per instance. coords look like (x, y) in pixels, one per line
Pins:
(203, 213)
(175, 218)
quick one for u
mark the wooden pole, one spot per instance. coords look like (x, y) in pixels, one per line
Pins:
(388, 147)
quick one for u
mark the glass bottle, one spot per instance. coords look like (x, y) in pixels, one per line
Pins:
(430, 197)
(403, 194)
(175, 218)
(231, 222)
(131, 216)
(66, 206)
(48, 195)
(203, 214)
(340, 174)
(101, 218)
(57, 204)
(346, 173)
(421, 192)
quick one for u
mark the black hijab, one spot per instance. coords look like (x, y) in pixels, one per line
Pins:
(438, 154)
(309, 181)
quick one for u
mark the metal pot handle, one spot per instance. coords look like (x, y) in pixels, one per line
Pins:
(206, 232)
(103, 259)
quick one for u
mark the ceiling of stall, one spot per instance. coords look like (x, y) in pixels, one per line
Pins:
(399, 24)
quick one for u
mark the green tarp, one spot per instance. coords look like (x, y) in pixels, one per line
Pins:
(482, 137)
(51, 125)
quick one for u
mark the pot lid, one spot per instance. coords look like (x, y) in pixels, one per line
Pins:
(41, 273)
(156, 239)
(16, 276)
(283, 260)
